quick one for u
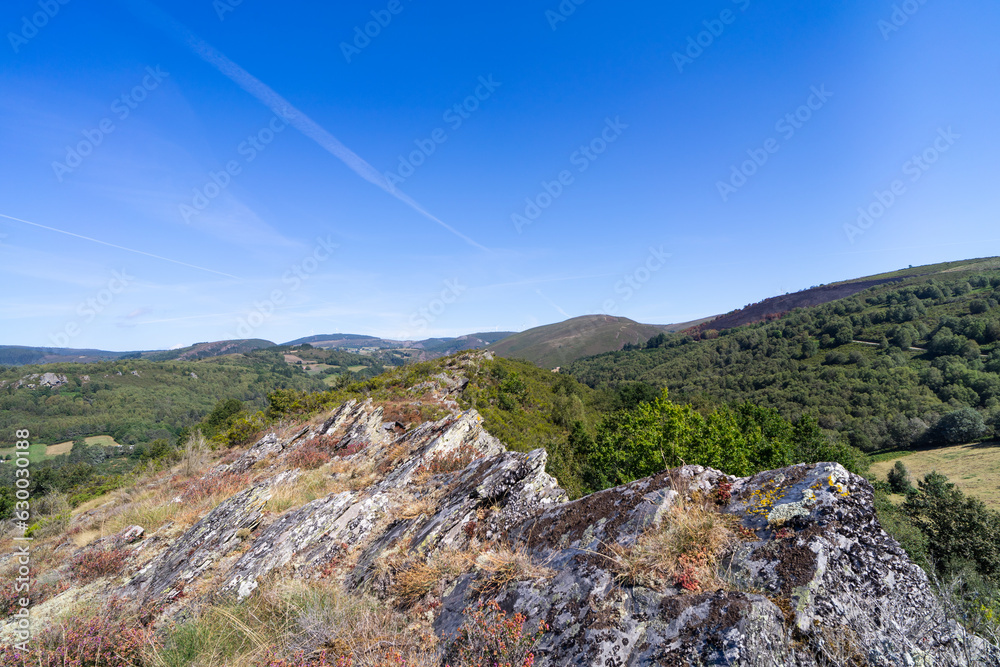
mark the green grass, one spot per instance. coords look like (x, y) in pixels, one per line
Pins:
(36, 452)
(974, 468)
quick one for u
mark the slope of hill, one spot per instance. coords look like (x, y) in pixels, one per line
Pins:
(774, 307)
(882, 367)
(562, 343)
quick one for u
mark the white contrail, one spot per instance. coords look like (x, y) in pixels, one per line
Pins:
(119, 247)
(280, 106)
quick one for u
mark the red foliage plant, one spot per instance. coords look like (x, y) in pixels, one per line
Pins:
(492, 639)
(96, 563)
(109, 638)
(445, 462)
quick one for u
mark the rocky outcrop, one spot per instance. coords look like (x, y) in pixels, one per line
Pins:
(813, 581)
(166, 575)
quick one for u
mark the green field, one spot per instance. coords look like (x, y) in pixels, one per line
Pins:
(36, 452)
(41, 451)
(975, 468)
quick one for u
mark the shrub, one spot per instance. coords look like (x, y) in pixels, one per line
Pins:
(959, 529)
(491, 639)
(96, 563)
(308, 457)
(111, 637)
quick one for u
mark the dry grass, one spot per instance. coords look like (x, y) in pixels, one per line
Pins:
(298, 617)
(683, 550)
(501, 566)
(150, 509)
(415, 508)
(195, 455)
(417, 580)
(306, 488)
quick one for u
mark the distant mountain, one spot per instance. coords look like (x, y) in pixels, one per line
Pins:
(403, 350)
(206, 350)
(421, 350)
(22, 355)
(344, 341)
(560, 344)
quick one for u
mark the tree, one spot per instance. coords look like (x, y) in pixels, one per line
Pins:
(899, 479)
(958, 528)
(903, 336)
(960, 426)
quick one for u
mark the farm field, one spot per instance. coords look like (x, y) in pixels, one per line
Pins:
(974, 468)
(40, 451)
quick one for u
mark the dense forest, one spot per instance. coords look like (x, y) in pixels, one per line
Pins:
(907, 363)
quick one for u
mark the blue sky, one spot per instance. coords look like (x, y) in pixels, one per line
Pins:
(199, 170)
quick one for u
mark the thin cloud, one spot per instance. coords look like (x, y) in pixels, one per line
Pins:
(118, 247)
(282, 107)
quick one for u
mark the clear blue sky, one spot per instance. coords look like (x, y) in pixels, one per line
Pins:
(311, 129)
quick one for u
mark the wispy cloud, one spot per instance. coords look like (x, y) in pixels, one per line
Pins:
(118, 247)
(282, 107)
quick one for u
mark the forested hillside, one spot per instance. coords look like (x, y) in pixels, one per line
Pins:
(915, 361)
(136, 400)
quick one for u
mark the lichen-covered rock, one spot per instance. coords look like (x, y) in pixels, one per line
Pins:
(204, 544)
(312, 533)
(831, 588)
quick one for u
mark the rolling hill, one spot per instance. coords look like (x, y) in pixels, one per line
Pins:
(560, 344)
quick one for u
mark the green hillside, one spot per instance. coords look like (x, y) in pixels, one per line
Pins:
(136, 400)
(562, 343)
(882, 368)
